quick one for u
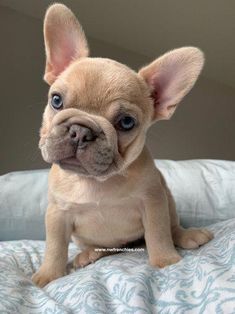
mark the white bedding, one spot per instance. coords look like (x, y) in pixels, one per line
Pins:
(203, 282)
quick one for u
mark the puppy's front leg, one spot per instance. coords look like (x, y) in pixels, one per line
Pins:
(190, 238)
(58, 232)
(156, 221)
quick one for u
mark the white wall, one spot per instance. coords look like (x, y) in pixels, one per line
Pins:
(203, 126)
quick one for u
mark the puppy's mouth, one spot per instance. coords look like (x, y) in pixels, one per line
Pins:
(72, 164)
(69, 162)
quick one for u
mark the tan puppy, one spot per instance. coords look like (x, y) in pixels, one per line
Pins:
(104, 189)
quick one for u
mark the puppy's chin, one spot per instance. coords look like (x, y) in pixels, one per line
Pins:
(76, 166)
(72, 164)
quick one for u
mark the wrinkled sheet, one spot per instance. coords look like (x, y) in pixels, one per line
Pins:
(203, 282)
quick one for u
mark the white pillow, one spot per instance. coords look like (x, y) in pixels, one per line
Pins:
(204, 191)
(23, 200)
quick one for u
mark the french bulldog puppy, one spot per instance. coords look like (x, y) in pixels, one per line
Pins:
(104, 189)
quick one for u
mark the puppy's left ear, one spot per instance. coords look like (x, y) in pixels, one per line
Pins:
(64, 39)
(171, 77)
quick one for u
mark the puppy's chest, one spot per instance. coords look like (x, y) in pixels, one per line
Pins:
(107, 219)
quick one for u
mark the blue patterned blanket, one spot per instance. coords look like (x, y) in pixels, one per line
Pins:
(203, 282)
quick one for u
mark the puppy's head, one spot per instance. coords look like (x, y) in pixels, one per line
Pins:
(99, 110)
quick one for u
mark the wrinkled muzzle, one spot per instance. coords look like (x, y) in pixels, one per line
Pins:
(81, 142)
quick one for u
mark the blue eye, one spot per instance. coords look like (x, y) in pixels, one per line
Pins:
(126, 123)
(57, 102)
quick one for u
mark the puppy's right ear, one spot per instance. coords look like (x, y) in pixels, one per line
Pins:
(171, 77)
(64, 39)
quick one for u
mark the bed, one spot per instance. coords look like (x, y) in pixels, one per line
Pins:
(202, 282)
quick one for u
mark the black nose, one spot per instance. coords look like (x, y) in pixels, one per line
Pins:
(81, 135)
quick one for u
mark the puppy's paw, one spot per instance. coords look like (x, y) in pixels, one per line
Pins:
(42, 277)
(191, 238)
(164, 261)
(87, 257)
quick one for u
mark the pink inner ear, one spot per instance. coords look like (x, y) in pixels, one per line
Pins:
(156, 93)
(155, 97)
(63, 55)
(162, 107)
